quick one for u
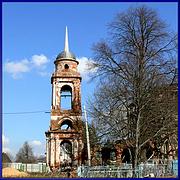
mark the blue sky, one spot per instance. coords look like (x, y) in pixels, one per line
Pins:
(33, 35)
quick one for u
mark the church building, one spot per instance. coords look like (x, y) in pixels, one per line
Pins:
(64, 138)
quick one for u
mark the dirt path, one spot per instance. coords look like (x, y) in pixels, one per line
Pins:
(11, 172)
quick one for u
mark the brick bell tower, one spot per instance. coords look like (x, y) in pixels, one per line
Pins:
(64, 138)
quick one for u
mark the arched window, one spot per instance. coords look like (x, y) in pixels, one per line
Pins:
(66, 125)
(66, 153)
(66, 98)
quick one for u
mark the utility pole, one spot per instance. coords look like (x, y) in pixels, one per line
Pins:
(87, 137)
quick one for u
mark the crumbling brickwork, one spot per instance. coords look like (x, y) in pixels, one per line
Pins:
(64, 138)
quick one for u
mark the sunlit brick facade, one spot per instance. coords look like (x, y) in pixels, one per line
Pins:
(64, 137)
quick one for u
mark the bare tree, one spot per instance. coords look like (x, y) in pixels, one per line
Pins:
(25, 154)
(6, 157)
(135, 66)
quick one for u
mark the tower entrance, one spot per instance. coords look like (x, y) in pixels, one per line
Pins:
(64, 138)
(66, 153)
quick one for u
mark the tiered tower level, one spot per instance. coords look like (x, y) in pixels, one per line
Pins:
(64, 138)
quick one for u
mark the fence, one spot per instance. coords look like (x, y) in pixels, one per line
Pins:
(162, 169)
(152, 169)
(39, 167)
(122, 171)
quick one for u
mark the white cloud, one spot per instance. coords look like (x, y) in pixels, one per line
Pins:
(36, 62)
(6, 150)
(17, 68)
(44, 74)
(36, 143)
(38, 147)
(84, 67)
(5, 142)
(39, 60)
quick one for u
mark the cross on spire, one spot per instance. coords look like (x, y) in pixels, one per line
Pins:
(66, 46)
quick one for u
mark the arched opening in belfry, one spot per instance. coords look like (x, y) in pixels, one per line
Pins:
(65, 153)
(66, 97)
(66, 125)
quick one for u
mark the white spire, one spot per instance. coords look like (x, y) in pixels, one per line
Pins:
(66, 47)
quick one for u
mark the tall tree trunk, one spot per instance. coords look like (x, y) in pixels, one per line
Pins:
(137, 144)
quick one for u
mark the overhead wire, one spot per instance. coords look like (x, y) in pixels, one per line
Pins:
(27, 112)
